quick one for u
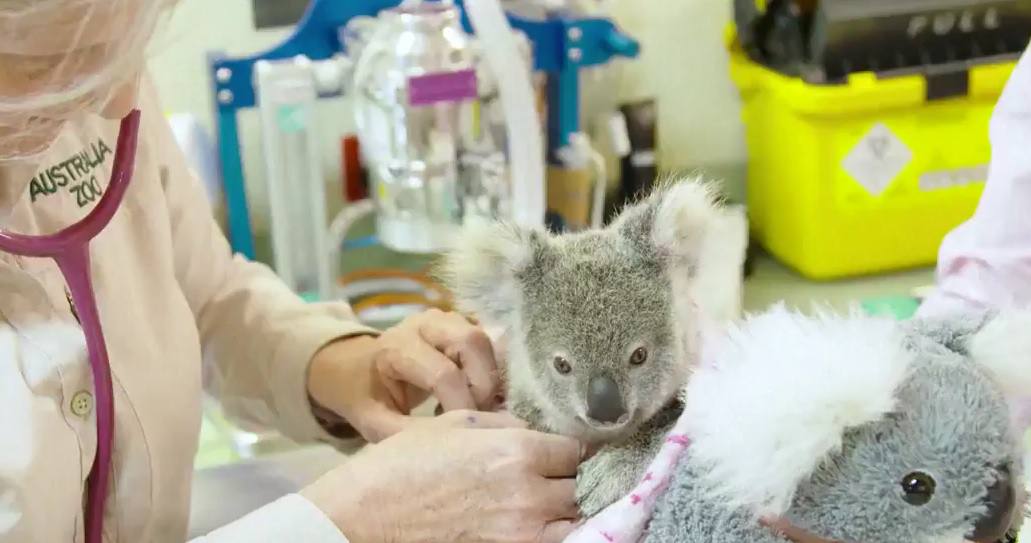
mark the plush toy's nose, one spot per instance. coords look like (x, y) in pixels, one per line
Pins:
(604, 402)
(1001, 502)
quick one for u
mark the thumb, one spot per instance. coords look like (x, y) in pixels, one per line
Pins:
(557, 531)
(481, 420)
(378, 421)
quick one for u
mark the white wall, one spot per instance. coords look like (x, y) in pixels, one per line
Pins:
(178, 61)
(683, 65)
(194, 28)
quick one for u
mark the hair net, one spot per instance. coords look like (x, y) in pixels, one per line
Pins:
(63, 58)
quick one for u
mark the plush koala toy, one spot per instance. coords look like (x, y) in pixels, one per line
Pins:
(854, 429)
(600, 328)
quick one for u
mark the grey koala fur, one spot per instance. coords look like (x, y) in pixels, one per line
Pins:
(950, 420)
(593, 298)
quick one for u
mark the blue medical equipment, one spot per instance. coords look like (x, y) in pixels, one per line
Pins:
(561, 47)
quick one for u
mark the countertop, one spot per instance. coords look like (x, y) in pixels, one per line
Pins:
(225, 493)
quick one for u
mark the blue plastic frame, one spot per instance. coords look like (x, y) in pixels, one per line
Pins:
(562, 46)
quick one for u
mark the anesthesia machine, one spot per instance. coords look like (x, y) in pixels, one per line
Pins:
(450, 126)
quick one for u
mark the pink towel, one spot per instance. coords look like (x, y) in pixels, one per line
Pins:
(626, 520)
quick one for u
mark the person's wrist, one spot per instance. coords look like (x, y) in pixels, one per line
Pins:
(332, 365)
(345, 496)
(332, 423)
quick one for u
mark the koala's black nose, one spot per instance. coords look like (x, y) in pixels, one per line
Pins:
(1001, 502)
(604, 402)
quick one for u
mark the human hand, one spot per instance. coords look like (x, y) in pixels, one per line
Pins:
(464, 477)
(374, 383)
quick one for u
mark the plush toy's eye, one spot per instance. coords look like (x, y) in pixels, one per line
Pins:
(562, 365)
(918, 488)
(639, 356)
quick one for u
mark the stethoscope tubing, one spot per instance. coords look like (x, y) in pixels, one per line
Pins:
(70, 250)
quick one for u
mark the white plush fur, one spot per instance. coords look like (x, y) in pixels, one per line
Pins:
(484, 245)
(958, 537)
(718, 281)
(684, 217)
(1003, 347)
(490, 257)
(779, 395)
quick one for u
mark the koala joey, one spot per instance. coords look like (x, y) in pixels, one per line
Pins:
(854, 429)
(600, 325)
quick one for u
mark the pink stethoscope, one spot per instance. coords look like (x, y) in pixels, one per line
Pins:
(70, 249)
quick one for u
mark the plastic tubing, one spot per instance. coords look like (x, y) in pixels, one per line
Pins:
(525, 138)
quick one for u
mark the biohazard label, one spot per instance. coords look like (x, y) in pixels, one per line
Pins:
(878, 159)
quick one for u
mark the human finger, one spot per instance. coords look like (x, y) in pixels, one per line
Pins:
(558, 499)
(378, 421)
(590, 450)
(470, 348)
(481, 420)
(553, 455)
(426, 368)
(557, 531)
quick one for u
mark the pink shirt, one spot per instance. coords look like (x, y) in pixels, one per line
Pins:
(986, 262)
(626, 520)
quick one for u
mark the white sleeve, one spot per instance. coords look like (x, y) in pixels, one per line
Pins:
(290, 518)
(986, 261)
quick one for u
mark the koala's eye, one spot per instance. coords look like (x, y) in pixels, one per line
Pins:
(639, 356)
(562, 365)
(918, 488)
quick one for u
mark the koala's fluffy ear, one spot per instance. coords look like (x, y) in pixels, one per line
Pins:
(780, 396)
(1003, 347)
(671, 223)
(483, 270)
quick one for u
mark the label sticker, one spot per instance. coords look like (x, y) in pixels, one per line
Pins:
(432, 88)
(291, 118)
(953, 178)
(878, 159)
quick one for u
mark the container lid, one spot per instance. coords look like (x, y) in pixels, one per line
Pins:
(825, 41)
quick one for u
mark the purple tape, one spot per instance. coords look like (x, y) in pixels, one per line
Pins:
(437, 87)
